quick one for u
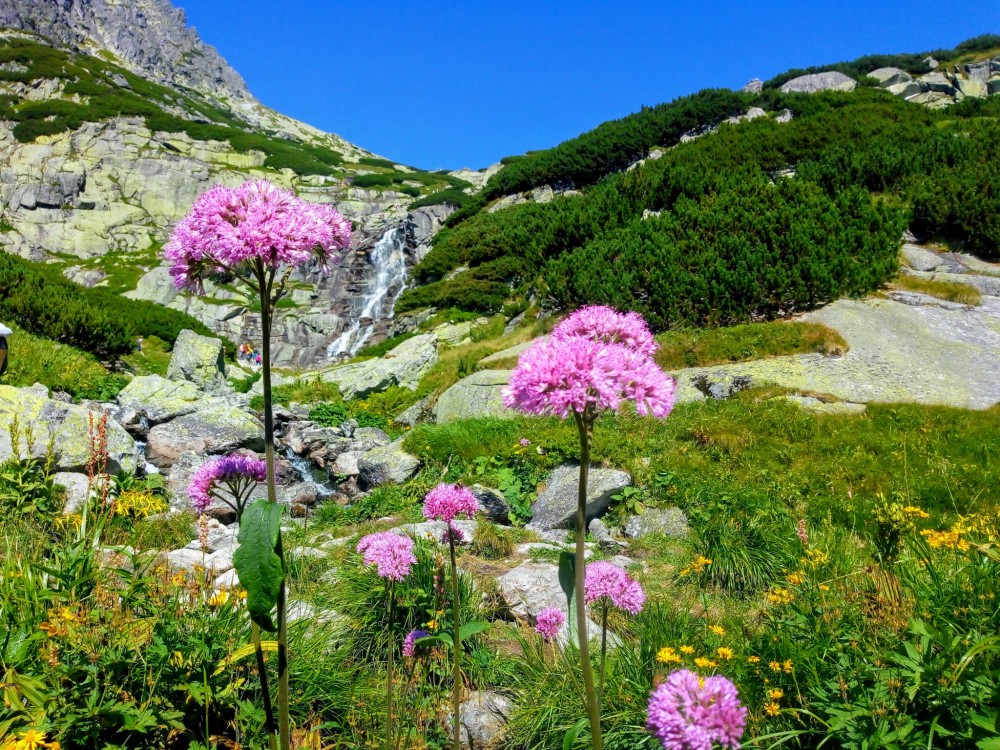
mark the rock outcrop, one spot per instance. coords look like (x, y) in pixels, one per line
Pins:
(198, 359)
(555, 507)
(831, 80)
(478, 395)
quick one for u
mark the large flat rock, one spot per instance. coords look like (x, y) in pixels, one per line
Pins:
(404, 366)
(922, 352)
(555, 507)
(478, 395)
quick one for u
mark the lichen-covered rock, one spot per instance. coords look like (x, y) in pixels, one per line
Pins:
(217, 429)
(77, 490)
(403, 366)
(414, 415)
(492, 504)
(66, 425)
(198, 359)
(555, 507)
(478, 395)
(667, 521)
(482, 718)
(831, 80)
(159, 399)
(433, 531)
(389, 464)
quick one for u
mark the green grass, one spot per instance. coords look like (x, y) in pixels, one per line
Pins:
(153, 360)
(33, 359)
(952, 291)
(714, 346)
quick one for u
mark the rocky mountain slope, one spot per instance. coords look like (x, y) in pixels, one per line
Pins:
(115, 116)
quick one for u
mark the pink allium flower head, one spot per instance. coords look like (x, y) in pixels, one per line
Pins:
(548, 623)
(557, 376)
(448, 501)
(227, 227)
(689, 713)
(410, 642)
(391, 553)
(224, 469)
(525, 442)
(605, 324)
(452, 533)
(602, 580)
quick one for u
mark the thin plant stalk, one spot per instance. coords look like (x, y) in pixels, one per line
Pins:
(585, 425)
(456, 699)
(265, 284)
(269, 723)
(391, 592)
(604, 651)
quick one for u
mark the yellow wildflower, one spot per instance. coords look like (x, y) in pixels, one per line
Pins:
(772, 709)
(218, 599)
(780, 596)
(824, 587)
(704, 663)
(687, 649)
(34, 740)
(776, 694)
(667, 655)
(775, 666)
(753, 659)
(912, 510)
(177, 659)
(794, 579)
(724, 652)
(717, 629)
(787, 666)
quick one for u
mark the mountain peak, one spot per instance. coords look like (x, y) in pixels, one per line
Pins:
(149, 36)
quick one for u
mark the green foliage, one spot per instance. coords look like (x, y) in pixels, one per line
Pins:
(450, 196)
(371, 181)
(379, 349)
(28, 494)
(33, 359)
(38, 298)
(258, 560)
(373, 161)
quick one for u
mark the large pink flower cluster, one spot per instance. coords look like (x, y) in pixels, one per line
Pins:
(227, 227)
(391, 553)
(578, 374)
(690, 713)
(602, 580)
(226, 469)
(605, 324)
(446, 502)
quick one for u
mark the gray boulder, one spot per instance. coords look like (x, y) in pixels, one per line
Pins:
(217, 429)
(921, 258)
(77, 490)
(419, 412)
(433, 531)
(555, 507)
(482, 718)
(831, 80)
(198, 359)
(403, 366)
(668, 521)
(159, 399)
(65, 425)
(478, 395)
(492, 504)
(389, 464)
(890, 76)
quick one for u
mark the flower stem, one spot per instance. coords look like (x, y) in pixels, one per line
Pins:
(585, 426)
(456, 699)
(604, 651)
(391, 592)
(265, 283)
(269, 723)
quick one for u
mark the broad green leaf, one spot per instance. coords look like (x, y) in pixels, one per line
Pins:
(257, 562)
(567, 580)
(434, 640)
(992, 743)
(469, 629)
(243, 652)
(569, 739)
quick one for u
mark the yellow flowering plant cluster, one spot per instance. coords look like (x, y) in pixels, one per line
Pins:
(712, 654)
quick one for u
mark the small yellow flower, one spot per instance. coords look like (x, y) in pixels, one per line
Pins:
(218, 599)
(177, 659)
(433, 625)
(724, 652)
(717, 629)
(685, 571)
(824, 587)
(33, 740)
(787, 666)
(776, 694)
(794, 579)
(667, 655)
(753, 659)
(772, 709)
(704, 663)
(780, 596)
(912, 510)
(687, 649)
(775, 666)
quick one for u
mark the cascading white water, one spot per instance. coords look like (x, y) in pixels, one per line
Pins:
(389, 259)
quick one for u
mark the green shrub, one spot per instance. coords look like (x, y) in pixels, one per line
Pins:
(371, 180)
(451, 196)
(329, 415)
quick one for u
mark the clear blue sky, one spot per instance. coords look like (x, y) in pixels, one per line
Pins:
(454, 83)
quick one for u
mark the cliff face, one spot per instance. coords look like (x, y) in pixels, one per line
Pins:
(151, 37)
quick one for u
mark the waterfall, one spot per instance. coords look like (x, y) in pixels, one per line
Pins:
(389, 259)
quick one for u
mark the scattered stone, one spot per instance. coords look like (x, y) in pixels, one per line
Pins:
(433, 531)
(920, 258)
(219, 538)
(492, 504)
(816, 406)
(753, 86)
(555, 507)
(303, 552)
(389, 464)
(831, 80)
(66, 425)
(478, 395)
(416, 414)
(159, 399)
(198, 359)
(669, 521)
(217, 429)
(403, 366)
(227, 581)
(77, 490)
(482, 718)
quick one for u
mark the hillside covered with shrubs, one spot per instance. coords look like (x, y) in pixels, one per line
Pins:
(770, 216)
